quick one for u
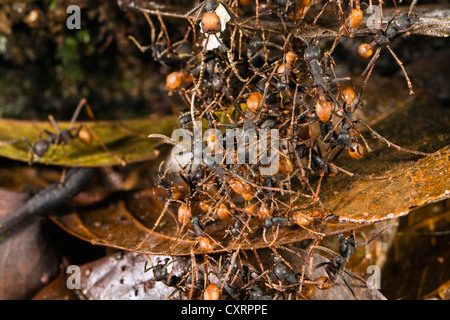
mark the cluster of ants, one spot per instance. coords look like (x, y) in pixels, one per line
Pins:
(230, 76)
(233, 77)
(242, 275)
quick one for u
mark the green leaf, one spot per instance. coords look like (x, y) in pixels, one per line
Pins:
(125, 141)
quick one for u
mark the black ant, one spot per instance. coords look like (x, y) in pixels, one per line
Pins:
(316, 162)
(280, 221)
(234, 275)
(312, 56)
(336, 266)
(163, 50)
(198, 226)
(282, 273)
(62, 137)
(236, 229)
(160, 273)
(400, 23)
(212, 23)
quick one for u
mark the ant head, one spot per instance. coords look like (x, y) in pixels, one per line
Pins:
(405, 21)
(199, 174)
(211, 23)
(40, 148)
(217, 81)
(344, 139)
(185, 119)
(268, 223)
(346, 244)
(160, 270)
(302, 151)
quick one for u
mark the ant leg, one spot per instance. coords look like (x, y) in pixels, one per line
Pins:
(369, 70)
(349, 287)
(195, 124)
(350, 174)
(31, 147)
(267, 44)
(120, 160)
(411, 7)
(266, 88)
(230, 59)
(320, 13)
(391, 144)
(163, 137)
(145, 264)
(411, 92)
(257, 14)
(322, 174)
(83, 103)
(166, 207)
(308, 260)
(325, 250)
(373, 237)
(228, 273)
(321, 265)
(233, 66)
(202, 65)
(371, 64)
(233, 17)
(200, 6)
(57, 141)
(2, 143)
(58, 130)
(152, 35)
(164, 29)
(64, 171)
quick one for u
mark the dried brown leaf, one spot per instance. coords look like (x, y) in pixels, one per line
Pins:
(408, 181)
